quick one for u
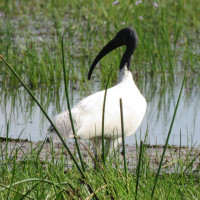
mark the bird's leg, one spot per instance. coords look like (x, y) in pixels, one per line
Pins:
(97, 146)
(113, 143)
(97, 149)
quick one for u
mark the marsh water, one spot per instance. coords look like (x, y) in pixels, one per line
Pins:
(21, 118)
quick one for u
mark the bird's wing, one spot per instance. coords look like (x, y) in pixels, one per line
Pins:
(89, 114)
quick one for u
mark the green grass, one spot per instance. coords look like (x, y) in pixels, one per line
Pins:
(30, 40)
(41, 174)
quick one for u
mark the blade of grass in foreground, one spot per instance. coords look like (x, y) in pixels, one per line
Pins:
(123, 142)
(138, 170)
(13, 190)
(13, 175)
(169, 133)
(34, 186)
(69, 107)
(103, 118)
(50, 121)
(7, 131)
(33, 180)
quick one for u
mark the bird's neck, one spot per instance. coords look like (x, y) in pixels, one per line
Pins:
(124, 74)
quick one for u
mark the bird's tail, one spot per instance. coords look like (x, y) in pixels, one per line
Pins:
(62, 123)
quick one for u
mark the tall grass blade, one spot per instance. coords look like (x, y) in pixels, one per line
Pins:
(69, 107)
(13, 175)
(7, 132)
(138, 169)
(180, 145)
(191, 163)
(33, 180)
(169, 133)
(123, 140)
(32, 188)
(103, 118)
(13, 190)
(50, 121)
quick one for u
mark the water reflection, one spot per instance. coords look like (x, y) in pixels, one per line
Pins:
(25, 118)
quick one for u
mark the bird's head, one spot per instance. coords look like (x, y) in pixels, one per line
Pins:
(126, 36)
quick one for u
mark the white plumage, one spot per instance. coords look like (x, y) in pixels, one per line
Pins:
(87, 114)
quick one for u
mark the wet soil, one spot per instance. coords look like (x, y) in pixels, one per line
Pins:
(176, 158)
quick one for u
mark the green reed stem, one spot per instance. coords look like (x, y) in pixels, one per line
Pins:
(180, 145)
(13, 190)
(169, 133)
(32, 188)
(138, 169)
(123, 140)
(103, 118)
(13, 175)
(191, 163)
(69, 107)
(33, 180)
(50, 121)
(7, 132)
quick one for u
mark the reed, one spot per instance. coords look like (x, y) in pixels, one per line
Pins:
(138, 169)
(69, 107)
(103, 118)
(168, 135)
(123, 140)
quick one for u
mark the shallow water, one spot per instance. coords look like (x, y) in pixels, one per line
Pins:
(25, 120)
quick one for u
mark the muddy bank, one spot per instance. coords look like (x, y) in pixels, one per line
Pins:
(190, 157)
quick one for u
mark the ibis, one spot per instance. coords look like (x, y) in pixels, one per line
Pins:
(87, 114)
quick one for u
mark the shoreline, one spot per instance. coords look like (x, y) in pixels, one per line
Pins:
(152, 154)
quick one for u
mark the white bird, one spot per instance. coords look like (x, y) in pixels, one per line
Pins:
(87, 114)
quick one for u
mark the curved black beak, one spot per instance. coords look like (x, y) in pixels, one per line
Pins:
(126, 36)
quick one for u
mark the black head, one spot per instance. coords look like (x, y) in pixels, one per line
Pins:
(126, 36)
